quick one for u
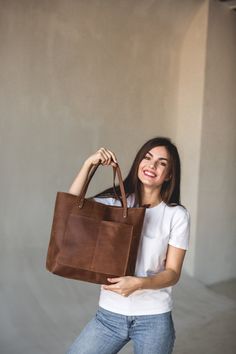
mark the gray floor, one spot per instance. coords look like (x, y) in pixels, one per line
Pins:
(42, 313)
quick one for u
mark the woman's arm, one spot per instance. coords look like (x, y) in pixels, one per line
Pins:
(80, 179)
(103, 156)
(168, 277)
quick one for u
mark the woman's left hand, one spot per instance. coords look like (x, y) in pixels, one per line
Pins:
(123, 285)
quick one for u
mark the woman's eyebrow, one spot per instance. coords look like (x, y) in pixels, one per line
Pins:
(160, 158)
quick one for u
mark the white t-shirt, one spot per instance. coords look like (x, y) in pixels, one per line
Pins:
(162, 225)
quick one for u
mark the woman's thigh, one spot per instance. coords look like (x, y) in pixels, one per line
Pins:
(104, 334)
(153, 334)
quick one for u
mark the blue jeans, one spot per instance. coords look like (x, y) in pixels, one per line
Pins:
(108, 332)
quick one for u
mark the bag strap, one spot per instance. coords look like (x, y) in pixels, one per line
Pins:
(114, 186)
(116, 172)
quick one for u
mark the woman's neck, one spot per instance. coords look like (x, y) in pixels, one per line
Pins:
(150, 196)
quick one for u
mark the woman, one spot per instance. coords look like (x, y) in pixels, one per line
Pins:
(139, 307)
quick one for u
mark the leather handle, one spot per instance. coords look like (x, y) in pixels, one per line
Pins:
(116, 172)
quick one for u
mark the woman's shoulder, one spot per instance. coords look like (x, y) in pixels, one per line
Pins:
(178, 211)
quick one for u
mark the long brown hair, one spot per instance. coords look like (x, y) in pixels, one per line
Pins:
(170, 190)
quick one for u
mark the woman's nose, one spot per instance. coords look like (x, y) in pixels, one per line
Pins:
(152, 165)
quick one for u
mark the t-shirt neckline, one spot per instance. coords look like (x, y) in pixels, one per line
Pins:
(156, 206)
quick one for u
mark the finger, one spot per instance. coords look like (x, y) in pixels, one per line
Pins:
(113, 156)
(103, 157)
(107, 157)
(112, 287)
(114, 280)
(109, 154)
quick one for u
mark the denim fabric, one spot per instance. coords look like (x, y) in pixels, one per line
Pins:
(108, 332)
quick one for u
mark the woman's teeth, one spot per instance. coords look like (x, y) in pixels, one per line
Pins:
(149, 174)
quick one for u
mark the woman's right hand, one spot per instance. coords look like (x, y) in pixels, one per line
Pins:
(103, 156)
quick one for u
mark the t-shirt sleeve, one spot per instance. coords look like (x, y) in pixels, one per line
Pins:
(114, 202)
(107, 201)
(180, 229)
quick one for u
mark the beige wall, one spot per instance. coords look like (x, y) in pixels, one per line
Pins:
(190, 93)
(216, 224)
(76, 75)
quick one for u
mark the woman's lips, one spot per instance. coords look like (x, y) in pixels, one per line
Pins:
(149, 173)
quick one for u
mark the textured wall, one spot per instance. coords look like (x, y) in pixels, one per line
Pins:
(190, 94)
(74, 76)
(216, 225)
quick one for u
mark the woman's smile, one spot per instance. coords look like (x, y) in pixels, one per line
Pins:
(149, 173)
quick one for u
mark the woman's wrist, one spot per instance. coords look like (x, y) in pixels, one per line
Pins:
(142, 283)
(88, 163)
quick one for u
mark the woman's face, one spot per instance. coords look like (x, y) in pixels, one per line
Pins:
(154, 168)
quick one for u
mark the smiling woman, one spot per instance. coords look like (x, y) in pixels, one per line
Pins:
(153, 171)
(139, 307)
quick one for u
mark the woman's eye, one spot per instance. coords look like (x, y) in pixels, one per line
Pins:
(163, 164)
(146, 157)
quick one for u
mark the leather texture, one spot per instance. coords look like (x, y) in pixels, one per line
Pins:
(91, 241)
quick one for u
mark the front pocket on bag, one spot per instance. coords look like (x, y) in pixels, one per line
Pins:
(99, 246)
(112, 248)
(79, 242)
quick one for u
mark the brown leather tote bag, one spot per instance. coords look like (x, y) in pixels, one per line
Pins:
(91, 241)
